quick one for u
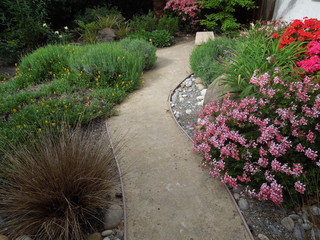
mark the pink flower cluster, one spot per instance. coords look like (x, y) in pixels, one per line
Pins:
(185, 8)
(311, 63)
(262, 139)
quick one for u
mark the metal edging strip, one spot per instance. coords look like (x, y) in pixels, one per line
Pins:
(121, 184)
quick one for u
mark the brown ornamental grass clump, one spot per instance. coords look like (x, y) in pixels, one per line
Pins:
(57, 188)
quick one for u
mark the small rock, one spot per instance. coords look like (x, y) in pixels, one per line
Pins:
(236, 196)
(315, 210)
(174, 97)
(106, 238)
(200, 98)
(299, 232)
(288, 223)
(181, 99)
(188, 111)
(198, 81)
(294, 216)
(200, 87)
(177, 115)
(188, 83)
(3, 237)
(106, 233)
(183, 84)
(243, 204)
(306, 226)
(113, 217)
(24, 237)
(200, 103)
(262, 237)
(275, 230)
(305, 216)
(184, 95)
(316, 233)
(313, 235)
(203, 92)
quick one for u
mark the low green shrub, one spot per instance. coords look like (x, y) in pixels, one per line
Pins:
(141, 34)
(169, 23)
(207, 61)
(145, 22)
(43, 65)
(161, 38)
(68, 81)
(145, 51)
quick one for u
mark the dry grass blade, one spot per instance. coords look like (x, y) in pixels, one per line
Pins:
(56, 188)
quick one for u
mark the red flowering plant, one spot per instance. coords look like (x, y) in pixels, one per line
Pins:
(308, 32)
(269, 142)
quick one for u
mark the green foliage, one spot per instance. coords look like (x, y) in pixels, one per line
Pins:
(10, 51)
(92, 14)
(169, 23)
(66, 81)
(43, 65)
(146, 52)
(251, 54)
(221, 14)
(161, 38)
(88, 31)
(158, 38)
(145, 22)
(142, 34)
(207, 60)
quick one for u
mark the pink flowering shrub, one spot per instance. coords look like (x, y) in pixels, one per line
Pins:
(186, 9)
(271, 143)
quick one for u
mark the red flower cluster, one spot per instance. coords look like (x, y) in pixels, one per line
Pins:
(308, 31)
(300, 30)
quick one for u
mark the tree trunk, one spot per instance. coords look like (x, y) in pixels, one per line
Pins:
(158, 6)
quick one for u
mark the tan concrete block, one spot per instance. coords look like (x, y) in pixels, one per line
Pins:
(202, 37)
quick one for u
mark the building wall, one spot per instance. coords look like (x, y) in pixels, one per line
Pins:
(296, 9)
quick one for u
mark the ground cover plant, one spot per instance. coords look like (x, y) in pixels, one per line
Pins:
(66, 81)
(58, 186)
(268, 140)
(208, 60)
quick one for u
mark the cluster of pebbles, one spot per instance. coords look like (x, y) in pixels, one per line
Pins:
(265, 220)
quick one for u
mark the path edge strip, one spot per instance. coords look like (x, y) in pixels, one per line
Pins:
(230, 194)
(124, 202)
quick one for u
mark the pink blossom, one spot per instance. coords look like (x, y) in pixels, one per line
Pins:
(311, 154)
(300, 187)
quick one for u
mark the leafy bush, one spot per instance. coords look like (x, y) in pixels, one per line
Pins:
(161, 38)
(43, 65)
(65, 81)
(171, 24)
(269, 143)
(142, 34)
(207, 61)
(145, 22)
(145, 51)
(221, 15)
(92, 14)
(57, 187)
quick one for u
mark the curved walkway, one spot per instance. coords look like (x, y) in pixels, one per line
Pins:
(169, 197)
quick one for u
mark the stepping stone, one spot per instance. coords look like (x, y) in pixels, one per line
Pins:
(203, 37)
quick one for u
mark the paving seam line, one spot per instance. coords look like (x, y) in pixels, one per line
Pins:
(124, 202)
(230, 194)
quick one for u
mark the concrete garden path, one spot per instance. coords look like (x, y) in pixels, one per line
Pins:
(169, 197)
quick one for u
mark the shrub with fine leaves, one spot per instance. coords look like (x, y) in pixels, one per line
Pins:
(55, 188)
